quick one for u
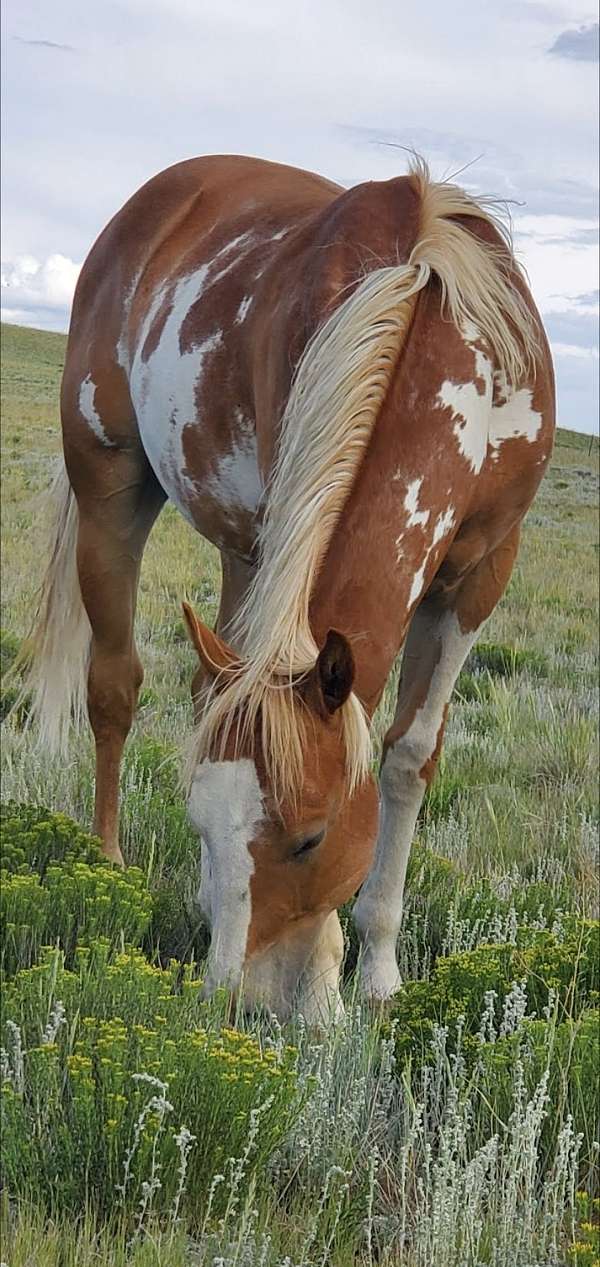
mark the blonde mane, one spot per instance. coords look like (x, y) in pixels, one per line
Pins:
(338, 389)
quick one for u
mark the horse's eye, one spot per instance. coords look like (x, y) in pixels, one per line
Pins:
(310, 843)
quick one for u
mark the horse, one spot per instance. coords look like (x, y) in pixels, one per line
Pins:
(350, 393)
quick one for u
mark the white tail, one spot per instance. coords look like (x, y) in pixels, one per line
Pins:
(56, 654)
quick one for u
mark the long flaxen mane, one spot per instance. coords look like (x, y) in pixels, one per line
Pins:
(338, 389)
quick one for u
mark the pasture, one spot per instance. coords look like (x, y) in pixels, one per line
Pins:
(456, 1128)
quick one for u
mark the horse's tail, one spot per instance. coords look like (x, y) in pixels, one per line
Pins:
(54, 658)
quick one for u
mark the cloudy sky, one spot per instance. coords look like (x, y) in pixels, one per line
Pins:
(99, 96)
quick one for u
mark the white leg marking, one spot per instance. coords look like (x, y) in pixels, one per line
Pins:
(226, 807)
(378, 911)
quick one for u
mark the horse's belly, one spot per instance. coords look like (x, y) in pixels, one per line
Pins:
(217, 489)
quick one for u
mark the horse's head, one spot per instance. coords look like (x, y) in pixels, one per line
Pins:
(275, 868)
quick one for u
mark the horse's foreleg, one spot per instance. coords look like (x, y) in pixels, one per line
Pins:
(439, 639)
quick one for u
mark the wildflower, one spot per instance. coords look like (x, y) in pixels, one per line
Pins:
(57, 1018)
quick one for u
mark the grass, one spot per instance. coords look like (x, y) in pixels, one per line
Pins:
(454, 1130)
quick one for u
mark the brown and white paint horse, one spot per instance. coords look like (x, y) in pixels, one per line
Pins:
(349, 393)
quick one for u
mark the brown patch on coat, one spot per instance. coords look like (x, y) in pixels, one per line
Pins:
(427, 770)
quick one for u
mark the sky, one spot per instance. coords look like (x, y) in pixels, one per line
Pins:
(99, 97)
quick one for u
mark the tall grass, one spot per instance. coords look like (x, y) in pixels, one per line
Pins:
(454, 1129)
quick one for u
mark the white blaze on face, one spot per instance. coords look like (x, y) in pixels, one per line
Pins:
(226, 808)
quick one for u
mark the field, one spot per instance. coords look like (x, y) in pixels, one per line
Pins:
(456, 1128)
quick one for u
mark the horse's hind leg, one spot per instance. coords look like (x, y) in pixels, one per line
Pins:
(118, 500)
(440, 636)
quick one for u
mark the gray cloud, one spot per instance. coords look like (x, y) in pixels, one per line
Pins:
(582, 45)
(64, 48)
(588, 299)
(576, 236)
(524, 181)
(572, 328)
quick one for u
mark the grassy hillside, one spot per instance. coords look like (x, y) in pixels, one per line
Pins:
(412, 1138)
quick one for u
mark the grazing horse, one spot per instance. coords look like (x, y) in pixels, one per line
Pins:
(350, 393)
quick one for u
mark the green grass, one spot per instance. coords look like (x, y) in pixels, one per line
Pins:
(403, 1139)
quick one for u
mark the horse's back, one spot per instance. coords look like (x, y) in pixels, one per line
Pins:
(157, 348)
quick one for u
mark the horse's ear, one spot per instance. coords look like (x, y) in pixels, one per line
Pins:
(332, 677)
(213, 653)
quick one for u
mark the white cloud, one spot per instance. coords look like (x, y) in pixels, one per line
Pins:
(574, 349)
(35, 293)
(559, 263)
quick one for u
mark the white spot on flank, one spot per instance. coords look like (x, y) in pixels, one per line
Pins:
(415, 518)
(163, 389)
(470, 406)
(166, 389)
(443, 526)
(514, 420)
(243, 309)
(122, 348)
(411, 502)
(445, 521)
(236, 482)
(226, 808)
(87, 392)
(244, 239)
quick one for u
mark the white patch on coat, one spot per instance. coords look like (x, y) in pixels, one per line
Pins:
(122, 343)
(165, 388)
(515, 419)
(443, 526)
(378, 910)
(87, 392)
(243, 241)
(226, 808)
(416, 517)
(469, 406)
(236, 481)
(242, 311)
